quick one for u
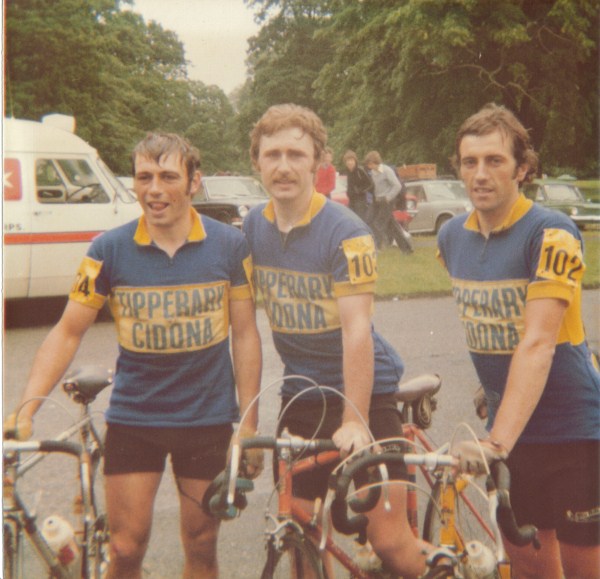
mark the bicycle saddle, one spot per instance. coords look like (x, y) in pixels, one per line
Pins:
(85, 383)
(415, 388)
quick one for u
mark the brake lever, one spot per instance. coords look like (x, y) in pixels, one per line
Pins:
(233, 472)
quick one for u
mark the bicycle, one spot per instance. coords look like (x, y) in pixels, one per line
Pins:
(20, 520)
(292, 535)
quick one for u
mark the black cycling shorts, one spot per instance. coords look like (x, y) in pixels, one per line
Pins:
(303, 419)
(196, 453)
(556, 486)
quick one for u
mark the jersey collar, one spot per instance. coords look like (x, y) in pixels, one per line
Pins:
(317, 202)
(519, 209)
(197, 233)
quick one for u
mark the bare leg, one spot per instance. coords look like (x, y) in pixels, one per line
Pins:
(580, 562)
(199, 532)
(129, 505)
(527, 563)
(392, 538)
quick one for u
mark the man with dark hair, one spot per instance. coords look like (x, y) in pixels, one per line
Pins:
(175, 282)
(516, 271)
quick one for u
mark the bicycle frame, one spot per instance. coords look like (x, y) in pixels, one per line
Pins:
(291, 513)
(415, 434)
(22, 521)
(91, 533)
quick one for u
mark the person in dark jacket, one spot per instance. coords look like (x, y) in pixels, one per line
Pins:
(360, 187)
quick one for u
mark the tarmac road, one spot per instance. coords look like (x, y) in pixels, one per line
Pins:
(425, 331)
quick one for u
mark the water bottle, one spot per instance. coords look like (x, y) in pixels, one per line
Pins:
(60, 537)
(481, 563)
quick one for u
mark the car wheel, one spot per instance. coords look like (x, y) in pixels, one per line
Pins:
(440, 221)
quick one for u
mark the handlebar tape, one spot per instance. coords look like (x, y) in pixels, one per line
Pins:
(519, 536)
(341, 483)
(66, 446)
(214, 501)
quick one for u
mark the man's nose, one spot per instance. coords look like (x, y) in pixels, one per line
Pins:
(155, 185)
(481, 171)
(283, 165)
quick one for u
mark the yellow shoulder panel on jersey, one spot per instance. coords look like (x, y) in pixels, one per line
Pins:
(362, 260)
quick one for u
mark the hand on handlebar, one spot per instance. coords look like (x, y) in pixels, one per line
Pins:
(253, 459)
(350, 437)
(474, 457)
(18, 429)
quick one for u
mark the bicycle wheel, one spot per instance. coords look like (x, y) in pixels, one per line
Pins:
(296, 558)
(9, 553)
(470, 515)
(96, 563)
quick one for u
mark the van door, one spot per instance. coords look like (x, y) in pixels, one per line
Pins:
(72, 206)
(17, 227)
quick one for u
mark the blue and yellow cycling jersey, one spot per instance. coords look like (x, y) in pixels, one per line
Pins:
(536, 253)
(329, 254)
(172, 319)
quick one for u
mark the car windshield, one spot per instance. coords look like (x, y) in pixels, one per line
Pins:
(562, 193)
(448, 190)
(224, 188)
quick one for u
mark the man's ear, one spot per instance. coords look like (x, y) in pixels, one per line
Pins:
(195, 183)
(521, 172)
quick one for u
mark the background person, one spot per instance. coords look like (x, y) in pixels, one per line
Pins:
(175, 282)
(326, 174)
(387, 188)
(360, 188)
(516, 271)
(301, 240)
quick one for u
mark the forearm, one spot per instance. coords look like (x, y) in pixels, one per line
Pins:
(358, 367)
(50, 363)
(525, 385)
(247, 364)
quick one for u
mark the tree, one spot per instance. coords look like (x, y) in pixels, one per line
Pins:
(119, 77)
(401, 75)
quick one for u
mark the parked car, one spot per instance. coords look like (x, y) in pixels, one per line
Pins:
(339, 192)
(566, 197)
(229, 198)
(432, 202)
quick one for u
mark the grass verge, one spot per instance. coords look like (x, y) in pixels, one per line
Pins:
(421, 275)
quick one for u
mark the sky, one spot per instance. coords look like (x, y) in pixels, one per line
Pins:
(214, 34)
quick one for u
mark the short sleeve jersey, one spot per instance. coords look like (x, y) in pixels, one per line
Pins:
(536, 253)
(329, 254)
(172, 319)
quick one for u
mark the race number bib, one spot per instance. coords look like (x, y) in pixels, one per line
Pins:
(561, 259)
(362, 261)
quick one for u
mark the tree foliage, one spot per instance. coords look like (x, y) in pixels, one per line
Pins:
(401, 75)
(119, 76)
(398, 76)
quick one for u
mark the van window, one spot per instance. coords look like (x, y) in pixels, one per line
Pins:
(68, 181)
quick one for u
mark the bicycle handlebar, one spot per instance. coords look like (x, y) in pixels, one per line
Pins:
(66, 446)
(340, 484)
(499, 480)
(225, 496)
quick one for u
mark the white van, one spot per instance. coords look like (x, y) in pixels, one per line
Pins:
(58, 196)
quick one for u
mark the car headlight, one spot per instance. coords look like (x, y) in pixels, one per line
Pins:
(574, 211)
(243, 210)
(468, 207)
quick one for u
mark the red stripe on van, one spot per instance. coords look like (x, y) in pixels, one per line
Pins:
(59, 237)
